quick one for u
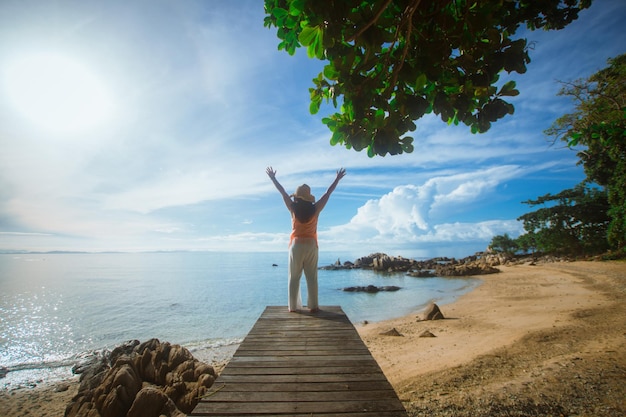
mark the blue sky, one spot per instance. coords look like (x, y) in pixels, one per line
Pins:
(147, 125)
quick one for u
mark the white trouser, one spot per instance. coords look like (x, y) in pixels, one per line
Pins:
(303, 257)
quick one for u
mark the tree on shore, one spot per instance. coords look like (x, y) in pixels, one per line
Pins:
(597, 129)
(587, 219)
(390, 62)
(573, 221)
(503, 244)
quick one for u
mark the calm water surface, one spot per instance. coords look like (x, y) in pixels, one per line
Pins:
(55, 308)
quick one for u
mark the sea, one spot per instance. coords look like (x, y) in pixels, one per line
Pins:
(58, 309)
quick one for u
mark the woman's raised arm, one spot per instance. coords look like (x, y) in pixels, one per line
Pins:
(271, 172)
(322, 201)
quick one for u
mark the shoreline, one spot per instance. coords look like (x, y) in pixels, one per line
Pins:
(516, 337)
(546, 339)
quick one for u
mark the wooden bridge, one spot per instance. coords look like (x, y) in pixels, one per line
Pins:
(302, 364)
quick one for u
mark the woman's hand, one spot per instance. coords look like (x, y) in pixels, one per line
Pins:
(340, 174)
(271, 172)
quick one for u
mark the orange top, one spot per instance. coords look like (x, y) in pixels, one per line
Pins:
(303, 230)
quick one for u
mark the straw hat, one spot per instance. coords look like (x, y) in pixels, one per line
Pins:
(303, 192)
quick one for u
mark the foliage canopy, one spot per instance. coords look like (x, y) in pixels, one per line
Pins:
(573, 221)
(598, 128)
(390, 62)
(503, 243)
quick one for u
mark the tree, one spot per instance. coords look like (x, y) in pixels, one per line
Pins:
(527, 242)
(503, 243)
(573, 221)
(598, 125)
(390, 62)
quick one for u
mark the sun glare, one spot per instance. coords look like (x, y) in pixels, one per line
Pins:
(57, 93)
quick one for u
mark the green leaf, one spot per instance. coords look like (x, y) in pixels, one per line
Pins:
(314, 107)
(308, 35)
(336, 138)
(575, 139)
(407, 144)
(296, 7)
(279, 13)
(313, 39)
(331, 123)
(508, 89)
(330, 72)
(420, 82)
(319, 45)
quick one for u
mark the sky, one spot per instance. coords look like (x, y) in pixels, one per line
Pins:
(148, 125)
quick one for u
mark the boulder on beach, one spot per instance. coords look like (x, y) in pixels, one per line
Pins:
(433, 312)
(392, 332)
(141, 379)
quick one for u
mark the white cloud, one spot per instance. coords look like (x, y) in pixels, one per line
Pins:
(405, 215)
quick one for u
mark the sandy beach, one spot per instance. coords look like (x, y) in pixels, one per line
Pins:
(533, 340)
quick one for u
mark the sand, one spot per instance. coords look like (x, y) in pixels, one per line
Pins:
(532, 340)
(547, 339)
(45, 400)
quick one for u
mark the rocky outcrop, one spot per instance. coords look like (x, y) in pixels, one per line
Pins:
(384, 262)
(372, 288)
(479, 264)
(141, 380)
(465, 269)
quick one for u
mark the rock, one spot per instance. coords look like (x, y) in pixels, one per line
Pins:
(142, 379)
(116, 393)
(91, 363)
(426, 333)
(465, 269)
(420, 273)
(339, 266)
(433, 312)
(148, 403)
(371, 288)
(62, 387)
(125, 348)
(392, 332)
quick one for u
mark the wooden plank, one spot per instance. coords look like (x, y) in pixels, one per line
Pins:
(365, 407)
(293, 396)
(259, 379)
(302, 364)
(241, 386)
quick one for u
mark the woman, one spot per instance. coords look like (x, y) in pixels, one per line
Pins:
(303, 251)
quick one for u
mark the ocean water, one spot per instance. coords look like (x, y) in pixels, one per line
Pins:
(58, 308)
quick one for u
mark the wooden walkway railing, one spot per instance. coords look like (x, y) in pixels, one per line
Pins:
(302, 364)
